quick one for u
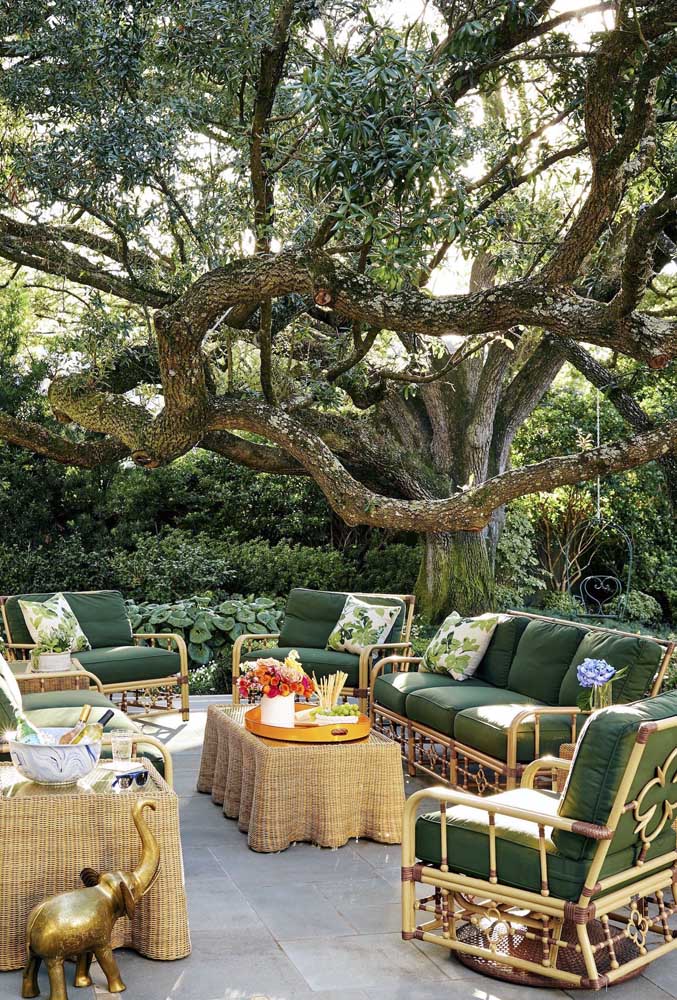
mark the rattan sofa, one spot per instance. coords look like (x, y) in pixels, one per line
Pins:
(135, 665)
(309, 618)
(481, 733)
(575, 890)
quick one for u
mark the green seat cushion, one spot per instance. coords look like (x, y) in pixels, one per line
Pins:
(320, 661)
(64, 699)
(486, 728)
(391, 690)
(438, 708)
(310, 616)
(101, 614)
(517, 855)
(602, 753)
(542, 658)
(641, 657)
(496, 662)
(123, 664)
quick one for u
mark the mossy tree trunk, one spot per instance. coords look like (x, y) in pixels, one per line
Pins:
(456, 574)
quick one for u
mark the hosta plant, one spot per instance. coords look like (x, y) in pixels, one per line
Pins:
(207, 629)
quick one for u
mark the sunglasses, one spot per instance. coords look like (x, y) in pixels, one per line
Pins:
(129, 778)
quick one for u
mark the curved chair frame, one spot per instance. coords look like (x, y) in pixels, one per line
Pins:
(624, 941)
(360, 692)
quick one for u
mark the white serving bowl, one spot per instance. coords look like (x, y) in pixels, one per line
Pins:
(52, 764)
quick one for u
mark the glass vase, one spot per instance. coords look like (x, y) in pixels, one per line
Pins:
(601, 696)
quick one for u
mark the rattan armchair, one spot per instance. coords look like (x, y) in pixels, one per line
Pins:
(575, 890)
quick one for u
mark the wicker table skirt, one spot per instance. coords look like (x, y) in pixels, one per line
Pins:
(47, 836)
(285, 792)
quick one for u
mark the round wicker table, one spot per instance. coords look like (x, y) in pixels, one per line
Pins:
(286, 792)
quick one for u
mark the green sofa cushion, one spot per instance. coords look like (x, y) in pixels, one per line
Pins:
(640, 655)
(542, 659)
(517, 856)
(101, 614)
(601, 755)
(310, 616)
(322, 661)
(122, 664)
(391, 690)
(486, 728)
(438, 708)
(496, 662)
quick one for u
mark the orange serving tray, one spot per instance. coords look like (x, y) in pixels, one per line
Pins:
(308, 734)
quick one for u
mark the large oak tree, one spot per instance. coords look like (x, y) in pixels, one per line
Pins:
(231, 214)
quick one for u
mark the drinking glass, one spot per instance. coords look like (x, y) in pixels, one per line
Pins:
(121, 744)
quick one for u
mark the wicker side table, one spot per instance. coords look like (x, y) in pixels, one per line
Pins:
(285, 792)
(39, 681)
(48, 834)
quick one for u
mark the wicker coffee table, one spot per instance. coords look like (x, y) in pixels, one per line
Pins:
(285, 792)
(49, 834)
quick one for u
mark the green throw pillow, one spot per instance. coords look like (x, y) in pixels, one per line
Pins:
(459, 645)
(360, 625)
(44, 619)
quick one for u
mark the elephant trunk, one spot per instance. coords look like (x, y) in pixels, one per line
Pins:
(145, 872)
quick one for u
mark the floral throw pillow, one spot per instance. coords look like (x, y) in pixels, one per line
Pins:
(361, 625)
(55, 615)
(459, 645)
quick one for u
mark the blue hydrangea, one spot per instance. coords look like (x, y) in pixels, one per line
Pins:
(594, 673)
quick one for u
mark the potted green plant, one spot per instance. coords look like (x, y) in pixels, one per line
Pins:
(53, 652)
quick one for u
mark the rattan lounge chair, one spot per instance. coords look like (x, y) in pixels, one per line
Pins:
(574, 890)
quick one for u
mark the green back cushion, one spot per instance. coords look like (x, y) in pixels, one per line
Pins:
(542, 659)
(602, 753)
(101, 615)
(496, 662)
(641, 656)
(310, 616)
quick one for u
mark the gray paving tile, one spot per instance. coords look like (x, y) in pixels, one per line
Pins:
(10, 984)
(214, 972)
(663, 973)
(368, 961)
(299, 912)
(635, 989)
(375, 891)
(380, 855)
(299, 863)
(218, 903)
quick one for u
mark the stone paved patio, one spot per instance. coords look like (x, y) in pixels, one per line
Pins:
(307, 924)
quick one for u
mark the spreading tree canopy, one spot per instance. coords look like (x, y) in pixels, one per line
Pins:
(230, 214)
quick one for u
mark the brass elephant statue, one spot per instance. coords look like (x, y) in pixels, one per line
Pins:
(79, 924)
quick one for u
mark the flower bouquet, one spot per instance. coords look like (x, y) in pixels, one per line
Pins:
(277, 682)
(596, 676)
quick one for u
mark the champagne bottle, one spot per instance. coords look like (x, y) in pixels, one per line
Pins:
(26, 732)
(69, 737)
(93, 731)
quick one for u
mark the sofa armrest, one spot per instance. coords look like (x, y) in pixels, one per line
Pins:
(535, 712)
(13, 647)
(531, 771)
(366, 657)
(238, 646)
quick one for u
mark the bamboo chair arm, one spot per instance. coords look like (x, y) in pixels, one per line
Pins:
(532, 770)
(181, 647)
(450, 796)
(535, 712)
(394, 661)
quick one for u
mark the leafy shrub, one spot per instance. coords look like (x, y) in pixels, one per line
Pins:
(258, 567)
(65, 565)
(390, 569)
(209, 631)
(171, 566)
(643, 608)
(518, 571)
(559, 603)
